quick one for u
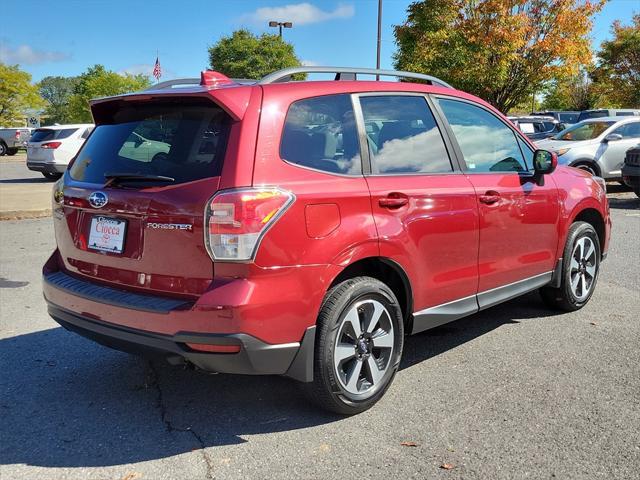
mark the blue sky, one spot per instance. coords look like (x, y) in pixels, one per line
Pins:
(124, 35)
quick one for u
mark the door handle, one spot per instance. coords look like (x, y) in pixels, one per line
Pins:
(489, 197)
(395, 201)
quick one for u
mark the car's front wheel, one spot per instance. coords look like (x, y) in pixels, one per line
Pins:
(359, 341)
(580, 268)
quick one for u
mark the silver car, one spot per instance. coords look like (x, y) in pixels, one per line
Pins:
(597, 145)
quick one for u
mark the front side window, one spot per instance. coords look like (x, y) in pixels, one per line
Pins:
(487, 144)
(180, 141)
(403, 136)
(583, 131)
(629, 130)
(321, 133)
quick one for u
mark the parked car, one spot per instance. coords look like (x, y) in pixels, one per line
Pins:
(50, 149)
(12, 139)
(608, 112)
(565, 117)
(285, 234)
(597, 145)
(631, 169)
(538, 128)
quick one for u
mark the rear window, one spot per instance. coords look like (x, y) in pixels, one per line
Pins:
(177, 140)
(47, 134)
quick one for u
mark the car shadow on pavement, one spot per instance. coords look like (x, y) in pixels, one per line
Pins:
(25, 180)
(67, 402)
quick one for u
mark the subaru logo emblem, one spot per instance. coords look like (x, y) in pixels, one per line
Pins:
(98, 199)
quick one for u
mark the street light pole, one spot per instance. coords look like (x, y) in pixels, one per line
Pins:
(280, 25)
(379, 37)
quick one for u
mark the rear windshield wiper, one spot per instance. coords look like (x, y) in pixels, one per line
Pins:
(115, 177)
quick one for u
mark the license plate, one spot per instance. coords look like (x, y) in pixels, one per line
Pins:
(107, 234)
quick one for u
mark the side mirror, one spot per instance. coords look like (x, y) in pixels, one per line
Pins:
(560, 127)
(544, 162)
(612, 137)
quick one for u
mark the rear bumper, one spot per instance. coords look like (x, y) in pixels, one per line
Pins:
(271, 341)
(254, 358)
(46, 167)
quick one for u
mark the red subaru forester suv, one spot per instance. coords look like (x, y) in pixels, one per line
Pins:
(303, 228)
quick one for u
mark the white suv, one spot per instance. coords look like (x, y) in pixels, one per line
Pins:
(597, 145)
(50, 149)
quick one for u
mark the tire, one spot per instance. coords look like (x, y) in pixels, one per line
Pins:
(3, 149)
(588, 167)
(12, 151)
(340, 353)
(51, 176)
(580, 269)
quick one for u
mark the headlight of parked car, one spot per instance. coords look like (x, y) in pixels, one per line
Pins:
(562, 151)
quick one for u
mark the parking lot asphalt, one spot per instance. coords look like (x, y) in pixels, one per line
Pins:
(23, 193)
(517, 391)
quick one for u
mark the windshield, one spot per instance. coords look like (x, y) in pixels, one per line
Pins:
(183, 142)
(583, 131)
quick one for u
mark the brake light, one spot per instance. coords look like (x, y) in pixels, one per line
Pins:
(17, 134)
(236, 220)
(51, 145)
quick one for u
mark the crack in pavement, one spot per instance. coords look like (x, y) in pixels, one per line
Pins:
(152, 380)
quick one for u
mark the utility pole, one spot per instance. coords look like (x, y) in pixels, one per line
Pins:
(280, 25)
(379, 37)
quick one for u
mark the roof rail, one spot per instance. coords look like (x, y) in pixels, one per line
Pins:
(347, 73)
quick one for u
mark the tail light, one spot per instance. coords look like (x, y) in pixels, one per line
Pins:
(236, 220)
(17, 134)
(51, 145)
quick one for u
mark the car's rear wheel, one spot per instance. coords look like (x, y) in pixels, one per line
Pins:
(51, 176)
(3, 149)
(358, 347)
(580, 268)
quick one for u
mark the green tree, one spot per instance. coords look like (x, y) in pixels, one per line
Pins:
(501, 50)
(99, 82)
(244, 55)
(617, 75)
(57, 91)
(17, 95)
(577, 92)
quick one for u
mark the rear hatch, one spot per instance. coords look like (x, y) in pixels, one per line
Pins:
(133, 200)
(45, 137)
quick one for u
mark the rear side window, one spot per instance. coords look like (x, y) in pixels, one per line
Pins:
(403, 136)
(48, 134)
(320, 133)
(624, 114)
(180, 141)
(487, 144)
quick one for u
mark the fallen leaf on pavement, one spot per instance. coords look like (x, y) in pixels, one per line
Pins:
(409, 444)
(447, 466)
(132, 476)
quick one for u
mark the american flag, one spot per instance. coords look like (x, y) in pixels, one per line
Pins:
(157, 69)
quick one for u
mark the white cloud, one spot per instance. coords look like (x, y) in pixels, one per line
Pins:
(298, 14)
(138, 69)
(146, 69)
(26, 55)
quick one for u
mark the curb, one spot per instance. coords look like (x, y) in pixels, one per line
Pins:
(24, 214)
